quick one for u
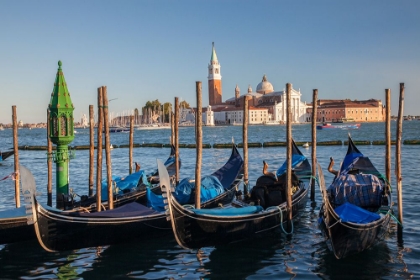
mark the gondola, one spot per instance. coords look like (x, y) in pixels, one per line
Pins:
(5, 155)
(356, 208)
(13, 222)
(242, 219)
(127, 189)
(63, 230)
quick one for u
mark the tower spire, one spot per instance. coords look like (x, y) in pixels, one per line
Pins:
(215, 79)
(213, 59)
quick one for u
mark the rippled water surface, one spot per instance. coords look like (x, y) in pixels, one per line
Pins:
(304, 255)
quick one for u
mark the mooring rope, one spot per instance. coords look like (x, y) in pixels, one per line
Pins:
(11, 175)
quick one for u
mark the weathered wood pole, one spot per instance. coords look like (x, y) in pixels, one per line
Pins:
(199, 145)
(16, 155)
(176, 140)
(245, 145)
(130, 149)
(289, 155)
(398, 163)
(49, 162)
(314, 114)
(107, 149)
(388, 135)
(91, 149)
(172, 127)
(99, 151)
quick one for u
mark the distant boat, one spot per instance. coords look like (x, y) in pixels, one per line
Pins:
(344, 120)
(271, 123)
(114, 129)
(306, 145)
(153, 126)
(187, 123)
(343, 126)
(236, 123)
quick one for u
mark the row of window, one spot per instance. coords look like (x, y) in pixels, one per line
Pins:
(323, 112)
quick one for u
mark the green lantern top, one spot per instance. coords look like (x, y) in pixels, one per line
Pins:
(61, 111)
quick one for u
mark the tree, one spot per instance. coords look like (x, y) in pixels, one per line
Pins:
(184, 104)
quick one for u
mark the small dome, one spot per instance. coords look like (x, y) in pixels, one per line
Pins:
(249, 89)
(265, 86)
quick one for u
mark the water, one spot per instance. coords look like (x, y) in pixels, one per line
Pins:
(303, 256)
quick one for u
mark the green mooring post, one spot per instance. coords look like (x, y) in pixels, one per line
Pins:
(61, 133)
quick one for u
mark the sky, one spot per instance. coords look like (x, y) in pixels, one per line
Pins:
(147, 50)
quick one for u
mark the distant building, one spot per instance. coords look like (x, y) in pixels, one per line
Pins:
(347, 110)
(84, 121)
(214, 80)
(273, 101)
(208, 117)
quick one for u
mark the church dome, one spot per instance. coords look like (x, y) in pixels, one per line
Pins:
(265, 86)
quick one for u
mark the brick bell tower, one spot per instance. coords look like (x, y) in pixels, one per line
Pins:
(215, 80)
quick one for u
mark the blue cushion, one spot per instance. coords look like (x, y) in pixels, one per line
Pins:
(351, 213)
(229, 211)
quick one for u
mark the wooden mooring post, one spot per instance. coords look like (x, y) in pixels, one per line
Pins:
(91, 149)
(99, 151)
(388, 135)
(398, 164)
(16, 155)
(171, 113)
(289, 156)
(245, 146)
(130, 149)
(199, 144)
(107, 148)
(176, 140)
(314, 115)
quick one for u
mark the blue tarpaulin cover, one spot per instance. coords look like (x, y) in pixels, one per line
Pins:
(296, 160)
(122, 183)
(351, 213)
(210, 188)
(363, 190)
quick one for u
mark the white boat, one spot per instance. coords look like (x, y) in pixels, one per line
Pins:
(153, 126)
(271, 123)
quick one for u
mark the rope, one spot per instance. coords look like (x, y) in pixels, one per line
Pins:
(11, 175)
(281, 219)
(391, 215)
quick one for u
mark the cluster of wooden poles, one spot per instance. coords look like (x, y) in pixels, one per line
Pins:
(103, 125)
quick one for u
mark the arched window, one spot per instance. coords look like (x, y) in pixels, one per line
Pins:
(63, 126)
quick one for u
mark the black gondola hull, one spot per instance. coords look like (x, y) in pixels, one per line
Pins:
(58, 233)
(345, 239)
(196, 231)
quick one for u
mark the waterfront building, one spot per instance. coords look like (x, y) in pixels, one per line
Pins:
(346, 110)
(234, 116)
(273, 101)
